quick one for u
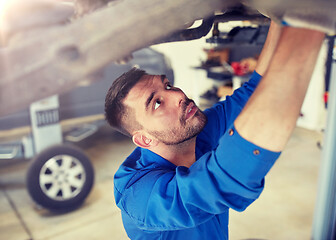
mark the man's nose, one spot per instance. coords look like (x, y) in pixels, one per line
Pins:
(177, 97)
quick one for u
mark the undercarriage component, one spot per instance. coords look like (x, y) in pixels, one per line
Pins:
(53, 59)
(56, 59)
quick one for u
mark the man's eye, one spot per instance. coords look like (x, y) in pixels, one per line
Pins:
(157, 104)
(168, 86)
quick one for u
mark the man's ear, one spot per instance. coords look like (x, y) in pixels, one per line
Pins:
(142, 140)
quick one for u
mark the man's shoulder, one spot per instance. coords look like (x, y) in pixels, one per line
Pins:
(136, 180)
(128, 168)
(140, 168)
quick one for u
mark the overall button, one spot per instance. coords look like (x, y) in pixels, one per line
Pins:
(256, 152)
(231, 132)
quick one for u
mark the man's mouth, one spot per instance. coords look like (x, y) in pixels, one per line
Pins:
(191, 110)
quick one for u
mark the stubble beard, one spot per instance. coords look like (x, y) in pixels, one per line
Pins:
(181, 135)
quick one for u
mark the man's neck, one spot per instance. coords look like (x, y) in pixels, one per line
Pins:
(182, 154)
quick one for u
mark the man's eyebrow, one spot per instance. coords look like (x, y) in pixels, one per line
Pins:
(149, 99)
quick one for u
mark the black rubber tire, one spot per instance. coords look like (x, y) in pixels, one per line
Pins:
(35, 187)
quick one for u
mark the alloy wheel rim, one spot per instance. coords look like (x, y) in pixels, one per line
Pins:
(62, 177)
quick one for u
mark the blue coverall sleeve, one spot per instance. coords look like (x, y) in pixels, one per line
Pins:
(222, 114)
(231, 176)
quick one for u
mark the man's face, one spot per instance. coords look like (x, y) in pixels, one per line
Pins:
(164, 111)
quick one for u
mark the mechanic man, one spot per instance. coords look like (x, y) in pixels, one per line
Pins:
(190, 166)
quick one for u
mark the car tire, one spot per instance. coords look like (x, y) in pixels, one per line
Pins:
(60, 178)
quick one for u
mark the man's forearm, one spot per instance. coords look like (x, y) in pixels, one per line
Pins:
(270, 115)
(270, 45)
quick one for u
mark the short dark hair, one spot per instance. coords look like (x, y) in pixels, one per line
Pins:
(115, 111)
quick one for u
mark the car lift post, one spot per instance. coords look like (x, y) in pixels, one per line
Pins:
(324, 225)
(45, 123)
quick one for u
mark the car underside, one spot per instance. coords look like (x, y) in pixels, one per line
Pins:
(62, 44)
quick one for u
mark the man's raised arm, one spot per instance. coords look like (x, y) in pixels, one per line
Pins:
(270, 115)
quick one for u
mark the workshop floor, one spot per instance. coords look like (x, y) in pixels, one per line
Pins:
(284, 210)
